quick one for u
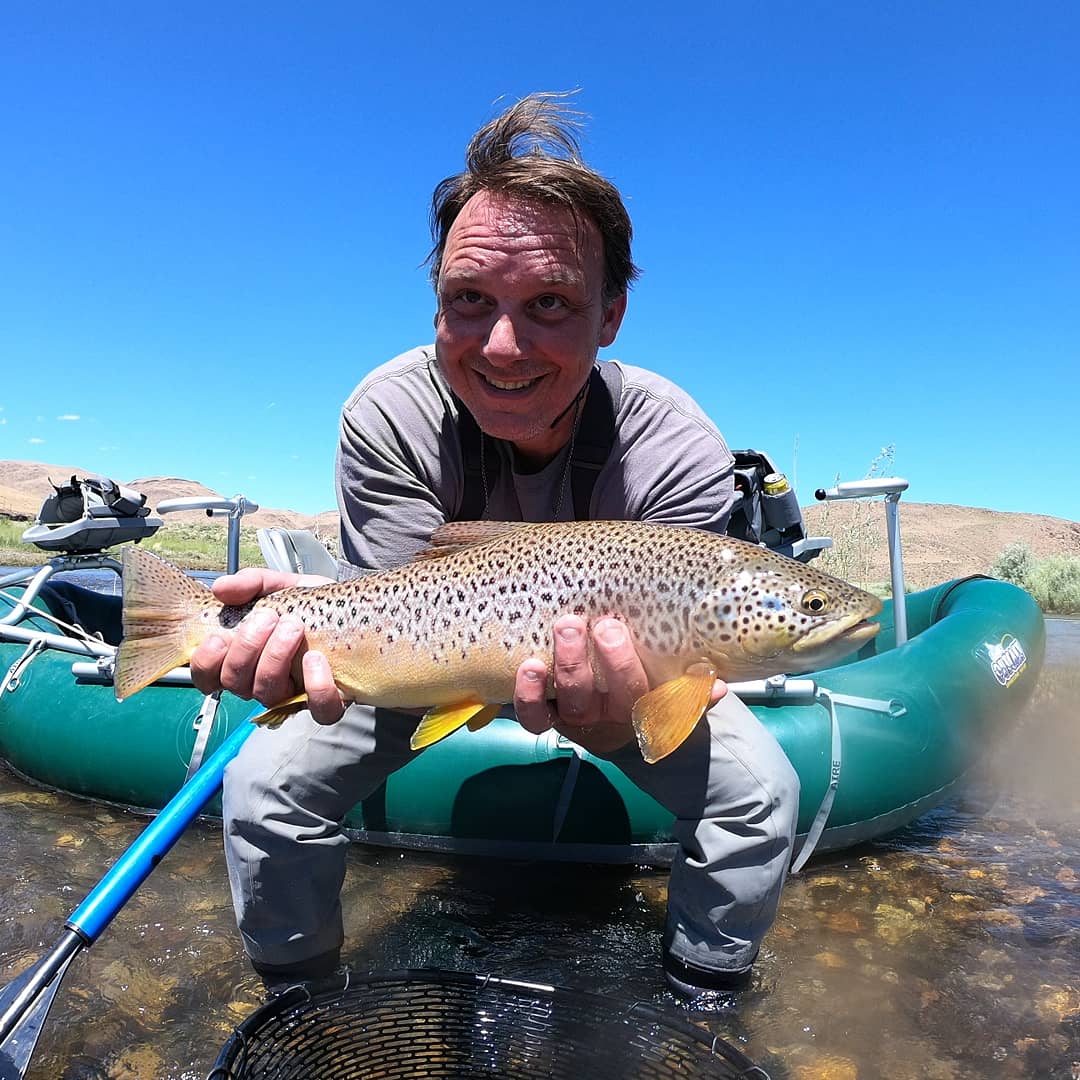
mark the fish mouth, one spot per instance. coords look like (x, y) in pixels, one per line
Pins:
(853, 630)
(861, 632)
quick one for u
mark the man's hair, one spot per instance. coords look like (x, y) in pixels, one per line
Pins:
(531, 152)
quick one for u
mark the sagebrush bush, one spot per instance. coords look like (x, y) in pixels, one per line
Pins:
(1054, 582)
(1016, 564)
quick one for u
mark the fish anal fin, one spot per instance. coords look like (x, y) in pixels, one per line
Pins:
(443, 720)
(483, 717)
(277, 714)
(665, 716)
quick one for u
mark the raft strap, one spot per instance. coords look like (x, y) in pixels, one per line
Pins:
(14, 675)
(830, 700)
(566, 792)
(204, 725)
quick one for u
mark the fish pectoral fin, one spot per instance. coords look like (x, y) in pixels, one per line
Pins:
(277, 714)
(442, 720)
(664, 717)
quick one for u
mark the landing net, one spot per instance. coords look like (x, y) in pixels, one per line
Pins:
(453, 1025)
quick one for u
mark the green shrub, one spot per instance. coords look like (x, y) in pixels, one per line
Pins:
(1054, 582)
(1016, 564)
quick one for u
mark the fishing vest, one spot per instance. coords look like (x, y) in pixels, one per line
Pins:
(592, 447)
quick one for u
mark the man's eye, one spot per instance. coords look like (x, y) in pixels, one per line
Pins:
(467, 297)
(550, 302)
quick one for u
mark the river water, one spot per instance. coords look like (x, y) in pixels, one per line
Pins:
(950, 951)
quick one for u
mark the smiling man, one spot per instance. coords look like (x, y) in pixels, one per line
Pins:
(508, 416)
(522, 313)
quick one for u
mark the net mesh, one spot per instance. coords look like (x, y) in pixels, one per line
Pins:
(439, 1024)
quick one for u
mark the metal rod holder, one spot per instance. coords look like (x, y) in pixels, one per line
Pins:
(235, 508)
(892, 487)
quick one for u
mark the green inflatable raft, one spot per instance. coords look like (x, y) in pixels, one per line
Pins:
(876, 741)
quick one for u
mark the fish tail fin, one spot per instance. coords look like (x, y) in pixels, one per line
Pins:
(664, 717)
(163, 615)
(443, 720)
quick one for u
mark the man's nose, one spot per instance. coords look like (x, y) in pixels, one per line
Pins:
(505, 341)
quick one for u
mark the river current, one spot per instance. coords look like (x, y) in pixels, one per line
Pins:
(949, 951)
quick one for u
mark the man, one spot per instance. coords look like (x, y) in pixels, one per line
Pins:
(531, 267)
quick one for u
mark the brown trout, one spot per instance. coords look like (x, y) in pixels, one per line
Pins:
(448, 630)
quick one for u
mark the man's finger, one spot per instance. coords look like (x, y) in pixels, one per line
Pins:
(248, 641)
(623, 672)
(574, 688)
(719, 691)
(253, 582)
(273, 672)
(530, 697)
(324, 699)
(207, 660)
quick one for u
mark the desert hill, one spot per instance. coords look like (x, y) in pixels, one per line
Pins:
(24, 485)
(939, 541)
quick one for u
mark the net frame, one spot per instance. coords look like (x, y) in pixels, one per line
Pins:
(431, 1024)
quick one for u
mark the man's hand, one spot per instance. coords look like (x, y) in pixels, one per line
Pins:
(255, 660)
(600, 722)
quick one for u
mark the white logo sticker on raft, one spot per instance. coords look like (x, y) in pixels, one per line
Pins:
(1007, 659)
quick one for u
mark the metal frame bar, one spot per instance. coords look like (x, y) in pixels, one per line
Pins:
(892, 487)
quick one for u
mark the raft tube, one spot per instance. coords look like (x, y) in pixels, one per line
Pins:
(896, 730)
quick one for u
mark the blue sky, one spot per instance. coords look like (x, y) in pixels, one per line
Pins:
(859, 225)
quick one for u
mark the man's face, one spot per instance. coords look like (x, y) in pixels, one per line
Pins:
(520, 317)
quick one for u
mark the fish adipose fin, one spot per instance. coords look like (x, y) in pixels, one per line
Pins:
(443, 720)
(162, 608)
(664, 717)
(277, 714)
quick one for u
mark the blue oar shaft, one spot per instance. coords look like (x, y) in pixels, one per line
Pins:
(99, 908)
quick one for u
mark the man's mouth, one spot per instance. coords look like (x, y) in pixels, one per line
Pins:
(508, 384)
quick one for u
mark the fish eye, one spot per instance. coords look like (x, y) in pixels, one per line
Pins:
(815, 602)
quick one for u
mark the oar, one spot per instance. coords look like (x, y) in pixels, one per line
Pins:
(24, 1003)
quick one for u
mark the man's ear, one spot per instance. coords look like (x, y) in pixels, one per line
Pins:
(613, 317)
